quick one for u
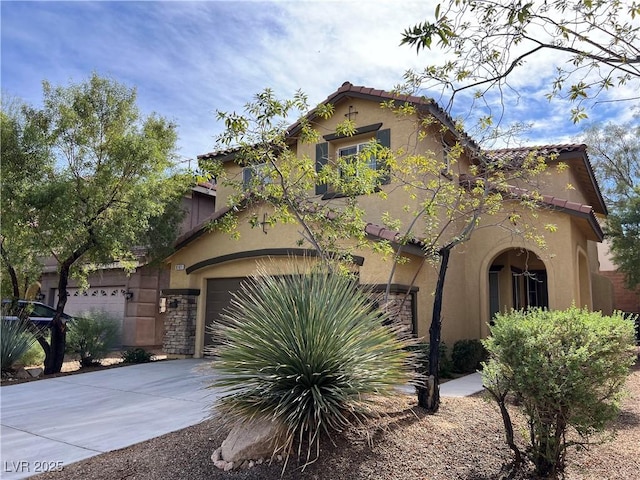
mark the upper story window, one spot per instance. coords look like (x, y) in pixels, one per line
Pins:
(327, 150)
(256, 173)
(353, 150)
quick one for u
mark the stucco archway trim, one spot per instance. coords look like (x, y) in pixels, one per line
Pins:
(264, 252)
(485, 264)
(583, 289)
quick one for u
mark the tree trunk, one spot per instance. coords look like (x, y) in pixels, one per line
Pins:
(12, 273)
(53, 362)
(429, 396)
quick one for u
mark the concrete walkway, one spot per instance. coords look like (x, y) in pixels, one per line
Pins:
(52, 423)
(458, 387)
(463, 386)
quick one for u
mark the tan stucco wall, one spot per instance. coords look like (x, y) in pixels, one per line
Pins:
(466, 310)
(404, 141)
(563, 183)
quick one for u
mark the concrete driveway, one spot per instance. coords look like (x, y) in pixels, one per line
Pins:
(51, 423)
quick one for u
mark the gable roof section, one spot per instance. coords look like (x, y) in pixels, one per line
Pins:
(575, 154)
(424, 105)
(346, 91)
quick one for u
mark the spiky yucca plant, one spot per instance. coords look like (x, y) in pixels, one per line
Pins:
(15, 341)
(306, 351)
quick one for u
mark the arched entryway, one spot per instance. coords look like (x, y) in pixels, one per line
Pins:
(517, 279)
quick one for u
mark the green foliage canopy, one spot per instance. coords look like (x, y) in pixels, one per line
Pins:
(615, 154)
(106, 185)
(25, 165)
(486, 41)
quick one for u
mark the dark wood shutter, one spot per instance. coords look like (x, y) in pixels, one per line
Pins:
(247, 175)
(384, 138)
(322, 156)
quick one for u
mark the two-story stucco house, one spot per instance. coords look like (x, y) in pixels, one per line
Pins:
(494, 270)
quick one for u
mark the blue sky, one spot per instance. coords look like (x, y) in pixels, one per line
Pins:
(189, 59)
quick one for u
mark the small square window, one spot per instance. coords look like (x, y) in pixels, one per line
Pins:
(353, 150)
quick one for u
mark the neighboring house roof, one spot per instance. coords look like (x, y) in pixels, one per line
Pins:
(206, 188)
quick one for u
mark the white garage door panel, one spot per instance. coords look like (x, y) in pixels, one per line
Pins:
(108, 299)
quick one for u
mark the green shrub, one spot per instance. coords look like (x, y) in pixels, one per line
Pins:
(136, 355)
(305, 351)
(566, 368)
(15, 341)
(33, 356)
(91, 336)
(467, 356)
(421, 350)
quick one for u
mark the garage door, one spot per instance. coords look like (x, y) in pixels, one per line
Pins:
(218, 298)
(107, 299)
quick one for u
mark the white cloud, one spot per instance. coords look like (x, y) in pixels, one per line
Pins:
(189, 59)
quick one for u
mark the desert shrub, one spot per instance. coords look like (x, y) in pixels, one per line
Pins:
(15, 341)
(136, 355)
(33, 356)
(421, 352)
(305, 351)
(467, 355)
(91, 336)
(566, 369)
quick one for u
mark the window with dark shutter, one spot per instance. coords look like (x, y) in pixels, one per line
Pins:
(322, 157)
(383, 137)
(247, 175)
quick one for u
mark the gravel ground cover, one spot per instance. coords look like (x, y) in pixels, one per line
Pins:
(464, 440)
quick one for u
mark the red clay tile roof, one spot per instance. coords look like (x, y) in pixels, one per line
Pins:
(574, 154)
(371, 229)
(566, 151)
(347, 89)
(545, 150)
(572, 208)
(384, 233)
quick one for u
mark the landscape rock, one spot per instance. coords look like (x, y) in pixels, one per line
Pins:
(216, 455)
(22, 374)
(35, 372)
(251, 440)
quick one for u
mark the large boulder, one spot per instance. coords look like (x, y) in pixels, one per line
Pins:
(251, 440)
